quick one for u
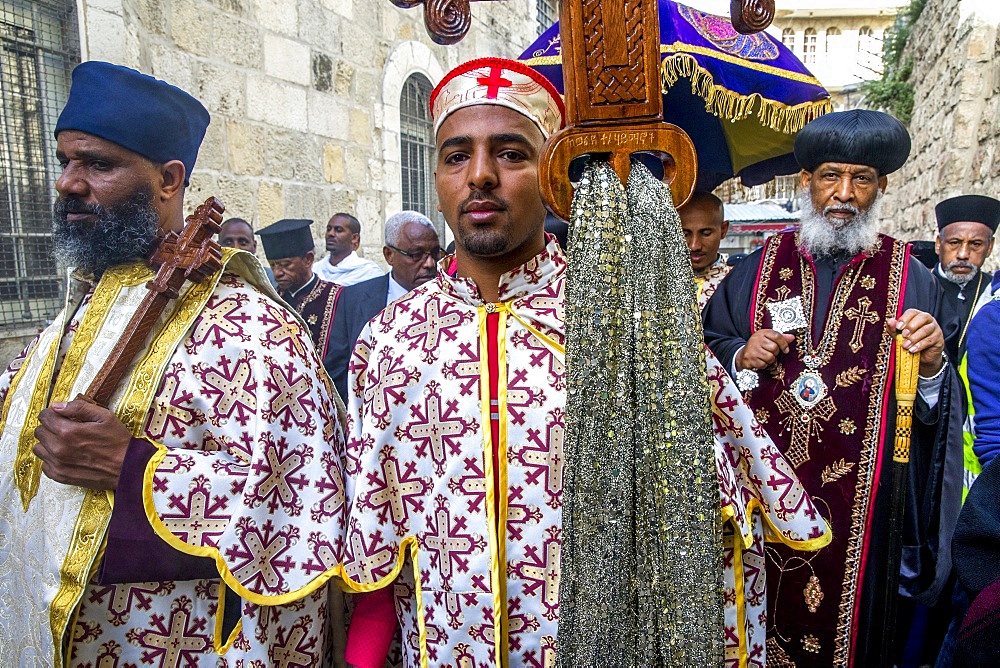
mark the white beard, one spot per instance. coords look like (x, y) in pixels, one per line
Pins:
(820, 237)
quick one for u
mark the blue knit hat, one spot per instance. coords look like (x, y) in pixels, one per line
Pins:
(145, 115)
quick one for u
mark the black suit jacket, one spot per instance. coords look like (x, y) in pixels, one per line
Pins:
(358, 304)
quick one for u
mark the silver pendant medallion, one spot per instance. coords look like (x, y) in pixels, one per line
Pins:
(809, 389)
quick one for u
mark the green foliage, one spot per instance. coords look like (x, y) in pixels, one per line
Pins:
(894, 92)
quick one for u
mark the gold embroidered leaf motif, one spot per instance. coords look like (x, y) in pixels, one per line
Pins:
(836, 471)
(850, 376)
(778, 372)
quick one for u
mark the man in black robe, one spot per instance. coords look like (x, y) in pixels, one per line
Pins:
(288, 246)
(966, 225)
(805, 325)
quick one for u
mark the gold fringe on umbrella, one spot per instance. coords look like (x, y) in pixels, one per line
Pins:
(731, 105)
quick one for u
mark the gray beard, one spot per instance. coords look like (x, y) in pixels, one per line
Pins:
(955, 278)
(123, 233)
(819, 237)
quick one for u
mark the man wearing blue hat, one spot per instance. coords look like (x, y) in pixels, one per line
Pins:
(288, 247)
(200, 515)
(806, 326)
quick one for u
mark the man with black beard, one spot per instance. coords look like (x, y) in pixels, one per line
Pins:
(806, 326)
(966, 225)
(119, 233)
(148, 531)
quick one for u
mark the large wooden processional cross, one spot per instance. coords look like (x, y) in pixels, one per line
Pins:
(611, 70)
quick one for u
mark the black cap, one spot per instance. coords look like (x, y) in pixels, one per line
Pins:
(968, 209)
(856, 137)
(289, 237)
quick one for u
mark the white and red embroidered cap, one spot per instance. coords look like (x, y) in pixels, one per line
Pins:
(503, 82)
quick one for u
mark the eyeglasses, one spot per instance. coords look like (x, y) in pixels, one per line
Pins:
(419, 256)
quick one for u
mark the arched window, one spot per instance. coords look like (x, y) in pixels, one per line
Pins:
(869, 51)
(416, 143)
(788, 38)
(809, 46)
(865, 39)
(832, 39)
(548, 13)
(40, 46)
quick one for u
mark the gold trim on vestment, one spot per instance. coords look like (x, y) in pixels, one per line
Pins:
(413, 545)
(85, 544)
(28, 467)
(213, 553)
(878, 400)
(497, 576)
(501, 526)
(24, 459)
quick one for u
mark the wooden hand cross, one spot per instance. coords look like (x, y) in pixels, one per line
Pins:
(191, 255)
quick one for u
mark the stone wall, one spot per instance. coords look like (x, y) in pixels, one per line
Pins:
(304, 94)
(956, 115)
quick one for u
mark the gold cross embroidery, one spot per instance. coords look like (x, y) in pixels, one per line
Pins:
(781, 294)
(803, 424)
(860, 316)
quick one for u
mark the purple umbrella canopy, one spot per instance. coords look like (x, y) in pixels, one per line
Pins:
(741, 98)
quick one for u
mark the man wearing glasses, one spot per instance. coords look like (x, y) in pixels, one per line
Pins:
(411, 250)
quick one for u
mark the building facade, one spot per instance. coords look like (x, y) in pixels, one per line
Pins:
(955, 46)
(840, 41)
(318, 106)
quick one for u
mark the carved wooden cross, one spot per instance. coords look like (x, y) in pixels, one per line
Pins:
(448, 21)
(861, 316)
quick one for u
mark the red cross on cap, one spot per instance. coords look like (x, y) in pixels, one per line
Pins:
(494, 82)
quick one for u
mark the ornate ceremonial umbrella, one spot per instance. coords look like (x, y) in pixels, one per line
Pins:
(741, 98)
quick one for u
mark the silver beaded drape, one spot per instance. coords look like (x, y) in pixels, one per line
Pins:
(641, 580)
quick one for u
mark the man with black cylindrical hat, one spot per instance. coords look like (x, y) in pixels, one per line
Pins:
(966, 225)
(806, 326)
(197, 515)
(289, 249)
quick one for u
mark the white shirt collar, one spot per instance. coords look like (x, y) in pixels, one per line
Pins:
(395, 290)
